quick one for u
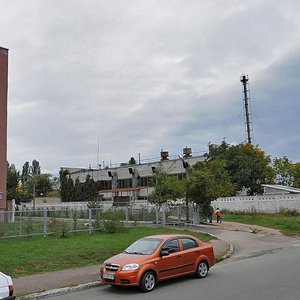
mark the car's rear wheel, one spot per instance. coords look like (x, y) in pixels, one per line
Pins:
(147, 282)
(202, 269)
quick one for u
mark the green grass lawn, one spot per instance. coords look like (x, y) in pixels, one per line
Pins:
(288, 225)
(32, 255)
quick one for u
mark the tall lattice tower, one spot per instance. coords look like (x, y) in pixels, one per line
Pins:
(247, 107)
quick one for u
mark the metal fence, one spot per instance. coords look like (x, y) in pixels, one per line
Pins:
(65, 221)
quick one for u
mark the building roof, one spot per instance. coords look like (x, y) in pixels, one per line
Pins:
(171, 166)
(284, 188)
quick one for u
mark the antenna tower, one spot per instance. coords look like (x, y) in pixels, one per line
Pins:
(246, 96)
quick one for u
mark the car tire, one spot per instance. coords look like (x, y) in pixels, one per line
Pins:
(202, 269)
(148, 281)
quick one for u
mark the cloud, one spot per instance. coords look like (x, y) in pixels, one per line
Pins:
(143, 75)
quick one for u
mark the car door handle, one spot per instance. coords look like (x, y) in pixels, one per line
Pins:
(178, 256)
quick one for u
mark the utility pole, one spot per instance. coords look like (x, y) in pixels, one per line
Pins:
(244, 79)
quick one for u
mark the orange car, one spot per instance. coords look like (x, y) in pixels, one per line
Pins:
(158, 257)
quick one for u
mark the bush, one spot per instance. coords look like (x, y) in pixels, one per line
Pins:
(289, 212)
(64, 230)
(112, 226)
(28, 226)
(54, 224)
(2, 230)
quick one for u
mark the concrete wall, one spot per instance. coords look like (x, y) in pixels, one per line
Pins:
(268, 204)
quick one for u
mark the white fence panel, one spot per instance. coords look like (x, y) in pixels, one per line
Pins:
(268, 204)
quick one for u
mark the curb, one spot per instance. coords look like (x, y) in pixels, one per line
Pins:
(228, 254)
(56, 292)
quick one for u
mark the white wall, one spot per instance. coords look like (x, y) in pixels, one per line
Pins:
(268, 204)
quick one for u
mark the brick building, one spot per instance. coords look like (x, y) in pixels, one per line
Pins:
(3, 126)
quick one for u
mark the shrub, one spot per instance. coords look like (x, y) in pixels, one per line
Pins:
(97, 224)
(289, 212)
(75, 220)
(54, 224)
(28, 226)
(64, 230)
(2, 230)
(112, 226)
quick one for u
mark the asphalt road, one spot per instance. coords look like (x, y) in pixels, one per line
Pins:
(263, 266)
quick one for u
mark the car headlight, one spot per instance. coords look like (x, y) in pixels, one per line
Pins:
(130, 267)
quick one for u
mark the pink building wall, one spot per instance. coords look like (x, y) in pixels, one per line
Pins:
(3, 125)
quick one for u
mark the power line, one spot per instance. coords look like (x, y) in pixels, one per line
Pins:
(268, 133)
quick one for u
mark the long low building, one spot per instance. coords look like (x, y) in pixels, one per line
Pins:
(133, 182)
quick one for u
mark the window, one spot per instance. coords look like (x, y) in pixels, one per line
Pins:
(143, 181)
(144, 246)
(172, 246)
(125, 183)
(188, 243)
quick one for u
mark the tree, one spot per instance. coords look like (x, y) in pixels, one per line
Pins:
(29, 170)
(25, 172)
(218, 151)
(15, 190)
(89, 189)
(13, 178)
(35, 168)
(208, 181)
(42, 184)
(78, 193)
(166, 187)
(132, 161)
(23, 194)
(66, 186)
(247, 165)
(296, 175)
(284, 171)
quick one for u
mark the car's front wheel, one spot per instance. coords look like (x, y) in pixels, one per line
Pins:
(147, 282)
(202, 269)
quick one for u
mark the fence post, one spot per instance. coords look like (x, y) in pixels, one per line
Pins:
(195, 214)
(164, 216)
(45, 223)
(20, 216)
(90, 221)
(144, 214)
(126, 216)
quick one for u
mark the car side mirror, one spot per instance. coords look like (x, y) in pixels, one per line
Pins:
(164, 253)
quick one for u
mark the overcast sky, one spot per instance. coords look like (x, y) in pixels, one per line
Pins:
(143, 75)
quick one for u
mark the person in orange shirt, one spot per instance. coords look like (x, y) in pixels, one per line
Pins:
(219, 215)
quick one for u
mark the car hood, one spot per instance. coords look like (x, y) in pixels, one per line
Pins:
(124, 258)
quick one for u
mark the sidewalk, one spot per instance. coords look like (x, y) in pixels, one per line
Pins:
(79, 276)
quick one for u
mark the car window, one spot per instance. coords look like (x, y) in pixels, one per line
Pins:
(143, 246)
(188, 243)
(172, 246)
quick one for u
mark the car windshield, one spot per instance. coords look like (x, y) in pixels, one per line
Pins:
(143, 246)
